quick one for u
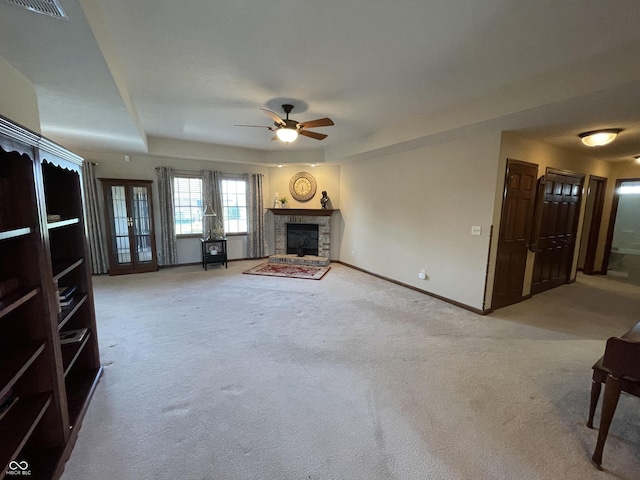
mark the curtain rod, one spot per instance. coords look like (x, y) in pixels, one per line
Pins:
(197, 172)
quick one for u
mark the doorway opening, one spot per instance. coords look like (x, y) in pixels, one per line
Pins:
(622, 255)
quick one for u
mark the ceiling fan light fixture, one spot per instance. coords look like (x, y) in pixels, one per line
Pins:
(287, 130)
(598, 138)
(287, 135)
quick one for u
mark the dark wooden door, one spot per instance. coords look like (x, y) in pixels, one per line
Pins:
(558, 210)
(129, 214)
(515, 232)
(592, 223)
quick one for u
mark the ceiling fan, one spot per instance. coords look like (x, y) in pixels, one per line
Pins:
(287, 130)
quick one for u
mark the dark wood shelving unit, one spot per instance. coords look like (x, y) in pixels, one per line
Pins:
(71, 352)
(46, 460)
(67, 312)
(15, 362)
(61, 268)
(15, 299)
(84, 383)
(16, 428)
(53, 383)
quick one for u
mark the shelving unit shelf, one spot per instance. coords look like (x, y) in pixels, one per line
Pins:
(63, 223)
(67, 313)
(71, 352)
(13, 300)
(15, 362)
(45, 386)
(16, 232)
(63, 267)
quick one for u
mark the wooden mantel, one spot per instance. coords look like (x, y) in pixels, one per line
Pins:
(311, 212)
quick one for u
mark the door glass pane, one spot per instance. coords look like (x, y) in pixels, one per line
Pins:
(120, 236)
(141, 224)
(624, 258)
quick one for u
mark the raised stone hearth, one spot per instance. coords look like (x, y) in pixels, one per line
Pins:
(322, 218)
(311, 260)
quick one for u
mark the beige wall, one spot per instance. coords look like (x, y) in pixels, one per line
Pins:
(625, 170)
(141, 167)
(18, 100)
(327, 178)
(414, 210)
(544, 155)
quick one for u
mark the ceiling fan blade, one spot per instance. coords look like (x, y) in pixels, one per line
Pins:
(257, 126)
(317, 136)
(274, 116)
(320, 122)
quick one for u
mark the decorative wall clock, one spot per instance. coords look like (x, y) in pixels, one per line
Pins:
(302, 186)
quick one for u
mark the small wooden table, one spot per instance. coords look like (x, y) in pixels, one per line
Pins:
(214, 250)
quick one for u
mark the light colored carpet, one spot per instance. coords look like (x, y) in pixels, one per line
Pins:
(219, 375)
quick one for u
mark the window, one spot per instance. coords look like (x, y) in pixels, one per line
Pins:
(234, 204)
(187, 198)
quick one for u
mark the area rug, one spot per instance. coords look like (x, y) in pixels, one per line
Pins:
(288, 270)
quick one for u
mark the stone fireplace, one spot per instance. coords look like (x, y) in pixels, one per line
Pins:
(293, 219)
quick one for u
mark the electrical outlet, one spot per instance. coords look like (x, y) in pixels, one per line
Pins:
(476, 230)
(353, 253)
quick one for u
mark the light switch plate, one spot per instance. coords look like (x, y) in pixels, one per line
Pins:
(476, 230)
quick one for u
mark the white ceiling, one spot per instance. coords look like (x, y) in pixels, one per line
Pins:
(122, 75)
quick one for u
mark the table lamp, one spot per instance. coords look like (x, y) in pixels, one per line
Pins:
(207, 214)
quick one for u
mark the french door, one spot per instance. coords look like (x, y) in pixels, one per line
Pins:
(129, 215)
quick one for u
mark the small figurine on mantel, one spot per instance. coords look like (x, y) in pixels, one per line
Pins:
(324, 200)
(276, 202)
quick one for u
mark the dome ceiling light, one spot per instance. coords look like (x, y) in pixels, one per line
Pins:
(287, 130)
(286, 134)
(597, 138)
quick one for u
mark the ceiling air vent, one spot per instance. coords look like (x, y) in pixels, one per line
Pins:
(47, 7)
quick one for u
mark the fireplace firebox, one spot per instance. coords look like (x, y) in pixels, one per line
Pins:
(302, 238)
